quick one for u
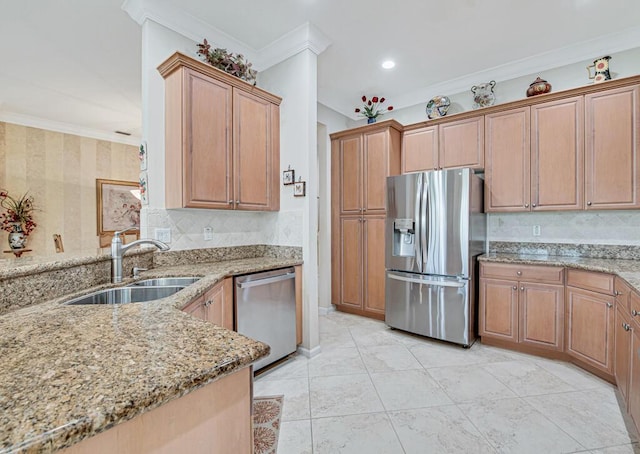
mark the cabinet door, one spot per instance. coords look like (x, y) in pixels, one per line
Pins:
(634, 382)
(350, 174)
(542, 315)
(557, 155)
(499, 309)
(462, 143)
(623, 338)
(611, 154)
(206, 161)
(590, 322)
(351, 261)
(507, 176)
(374, 271)
(219, 304)
(197, 308)
(420, 150)
(255, 160)
(376, 169)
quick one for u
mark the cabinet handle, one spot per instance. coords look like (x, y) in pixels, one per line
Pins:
(208, 303)
(237, 202)
(626, 326)
(617, 293)
(526, 205)
(533, 205)
(515, 288)
(522, 289)
(589, 203)
(230, 202)
(609, 304)
(634, 313)
(519, 273)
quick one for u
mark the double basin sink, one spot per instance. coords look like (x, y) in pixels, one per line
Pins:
(137, 292)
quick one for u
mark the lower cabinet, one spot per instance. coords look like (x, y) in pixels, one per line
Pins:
(634, 377)
(215, 306)
(519, 311)
(622, 346)
(590, 320)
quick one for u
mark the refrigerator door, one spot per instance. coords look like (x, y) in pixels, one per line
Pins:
(433, 306)
(447, 227)
(405, 218)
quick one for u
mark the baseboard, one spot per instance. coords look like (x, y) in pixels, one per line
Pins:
(315, 351)
(326, 310)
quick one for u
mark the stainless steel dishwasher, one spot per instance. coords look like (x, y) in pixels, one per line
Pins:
(265, 309)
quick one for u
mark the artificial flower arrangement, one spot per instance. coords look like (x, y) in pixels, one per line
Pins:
(372, 108)
(231, 63)
(17, 211)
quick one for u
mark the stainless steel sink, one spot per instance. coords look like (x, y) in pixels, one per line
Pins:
(164, 281)
(124, 295)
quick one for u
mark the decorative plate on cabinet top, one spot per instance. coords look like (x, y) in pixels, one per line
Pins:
(437, 107)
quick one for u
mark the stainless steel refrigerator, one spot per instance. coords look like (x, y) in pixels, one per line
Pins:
(435, 229)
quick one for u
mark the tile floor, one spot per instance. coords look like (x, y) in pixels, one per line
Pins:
(375, 390)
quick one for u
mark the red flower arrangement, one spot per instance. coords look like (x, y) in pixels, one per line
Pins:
(18, 211)
(371, 108)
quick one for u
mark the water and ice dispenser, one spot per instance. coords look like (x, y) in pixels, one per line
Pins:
(403, 237)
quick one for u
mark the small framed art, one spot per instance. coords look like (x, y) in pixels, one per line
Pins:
(300, 189)
(288, 177)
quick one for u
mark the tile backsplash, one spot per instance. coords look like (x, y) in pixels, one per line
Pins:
(619, 227)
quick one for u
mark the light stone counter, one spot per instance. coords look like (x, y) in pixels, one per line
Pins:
(70, 372)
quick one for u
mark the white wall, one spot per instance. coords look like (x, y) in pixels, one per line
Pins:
(329, 121)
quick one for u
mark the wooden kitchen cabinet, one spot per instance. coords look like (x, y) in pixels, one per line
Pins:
(522, 304)
(215, 306)
(622, 350)
(634, 378)
(534, 157)
(362, 159)
(590, 318)
(612, 122)
(222, 139)
(447, 145)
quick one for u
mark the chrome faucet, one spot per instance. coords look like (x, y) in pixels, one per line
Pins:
(118, 250)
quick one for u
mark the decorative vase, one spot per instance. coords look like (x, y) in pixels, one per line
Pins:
(538, 87)
(17, 238)
(371, 120)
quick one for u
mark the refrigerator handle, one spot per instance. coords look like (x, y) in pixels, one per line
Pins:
(417, 243)
(424, 224)
(436, 283)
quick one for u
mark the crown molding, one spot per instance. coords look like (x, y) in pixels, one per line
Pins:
(306, 36)
(575, 53)
(66, 128)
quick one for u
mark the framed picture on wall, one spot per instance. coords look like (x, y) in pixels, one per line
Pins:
(288, 177)
(118, 205)
(299, 189)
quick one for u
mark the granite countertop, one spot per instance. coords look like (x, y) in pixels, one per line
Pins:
(629, 270)
(70, 372)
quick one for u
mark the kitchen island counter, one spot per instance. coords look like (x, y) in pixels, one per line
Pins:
(70, 372)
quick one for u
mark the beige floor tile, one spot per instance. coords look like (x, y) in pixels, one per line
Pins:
(408, 389)
(513, 426)
(442, 430)
(294, 367)
(469, 383)
(440, 354)
(356, 434)
(343, 395)
(336, 362)
(570, 373)
(296, 396)
(388, 358)
(593, 417)
(337, 338)
(295, 437)
(367, 337)
(622, 449)
(527, 378)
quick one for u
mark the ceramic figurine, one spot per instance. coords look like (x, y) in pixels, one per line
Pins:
(538, 87)
(601, 69)
(483, 95)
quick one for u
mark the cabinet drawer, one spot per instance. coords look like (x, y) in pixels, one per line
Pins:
(589, 280)
(550, 274)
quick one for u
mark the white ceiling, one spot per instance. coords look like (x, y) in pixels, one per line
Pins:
(78, 62)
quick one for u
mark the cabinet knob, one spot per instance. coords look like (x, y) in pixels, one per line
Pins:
(617, 293)
(237, 202)
(515, 288)
(626, 326)
(609, 304)
(589, 203)
(526, 205)
(230, 202)
(533, 205)
(519, 273)
(208, 303)
(522, 289)
(634, 313)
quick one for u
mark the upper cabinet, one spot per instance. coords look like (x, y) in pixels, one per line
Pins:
(222, 139)
(612, 142)
(452, 144)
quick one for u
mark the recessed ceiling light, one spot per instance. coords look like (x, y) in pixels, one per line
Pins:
(388, 64)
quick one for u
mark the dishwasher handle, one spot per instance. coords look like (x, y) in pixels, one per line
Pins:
(265, 281)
